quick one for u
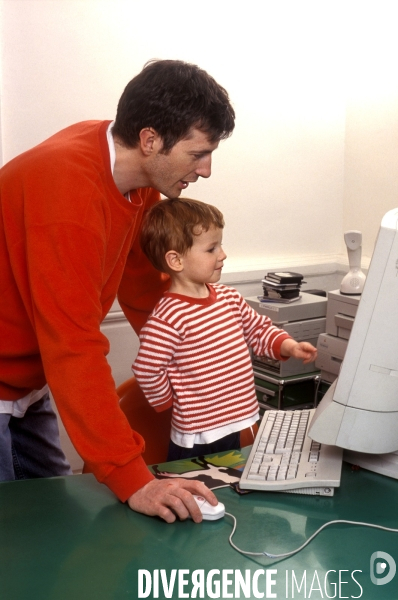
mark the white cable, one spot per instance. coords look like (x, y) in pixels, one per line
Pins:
(269, 555)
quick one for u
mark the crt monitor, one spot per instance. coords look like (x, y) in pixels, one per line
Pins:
(359, 412)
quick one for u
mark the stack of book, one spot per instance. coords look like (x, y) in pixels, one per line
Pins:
(281, 286)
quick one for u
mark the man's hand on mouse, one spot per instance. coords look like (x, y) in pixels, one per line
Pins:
(171, 499)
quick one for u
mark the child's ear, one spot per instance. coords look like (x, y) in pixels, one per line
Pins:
(174, 261)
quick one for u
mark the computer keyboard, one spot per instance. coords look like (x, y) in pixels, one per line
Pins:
(284, 459)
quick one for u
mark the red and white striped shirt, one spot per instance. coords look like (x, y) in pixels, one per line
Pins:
(194, 356)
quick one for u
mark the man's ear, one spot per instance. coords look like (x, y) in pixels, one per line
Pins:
(174, 261)
(150, 140)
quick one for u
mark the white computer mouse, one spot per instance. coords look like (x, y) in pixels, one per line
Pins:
(209, 512)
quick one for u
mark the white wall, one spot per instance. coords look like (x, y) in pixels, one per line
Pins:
(313, 83)
(280, 174)
(371, 151)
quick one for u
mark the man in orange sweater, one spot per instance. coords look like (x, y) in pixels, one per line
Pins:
(70, 211)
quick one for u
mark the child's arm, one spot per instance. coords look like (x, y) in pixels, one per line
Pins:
(302, 350)
(158, 342)
(260, 334)
(268, 340)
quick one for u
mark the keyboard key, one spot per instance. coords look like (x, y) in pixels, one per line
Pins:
(282, 473)
(291, 473)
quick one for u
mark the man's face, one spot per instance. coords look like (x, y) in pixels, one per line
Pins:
(188, 160)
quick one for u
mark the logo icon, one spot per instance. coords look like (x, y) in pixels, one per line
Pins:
(382, 568)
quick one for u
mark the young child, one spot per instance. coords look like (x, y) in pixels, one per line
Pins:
(194, 351)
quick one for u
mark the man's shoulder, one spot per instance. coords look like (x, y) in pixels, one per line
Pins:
(78, 130)
(70, 144)
(80, 139)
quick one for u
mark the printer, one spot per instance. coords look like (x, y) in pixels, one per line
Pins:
(332, 344)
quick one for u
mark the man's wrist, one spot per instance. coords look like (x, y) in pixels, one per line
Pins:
(125, 481)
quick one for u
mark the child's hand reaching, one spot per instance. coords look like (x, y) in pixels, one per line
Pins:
(301, 350)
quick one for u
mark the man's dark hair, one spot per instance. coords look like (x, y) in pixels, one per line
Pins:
(172, 96)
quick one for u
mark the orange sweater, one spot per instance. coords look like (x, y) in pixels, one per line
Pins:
(68, 245)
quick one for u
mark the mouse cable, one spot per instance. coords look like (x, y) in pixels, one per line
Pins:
(269, 555)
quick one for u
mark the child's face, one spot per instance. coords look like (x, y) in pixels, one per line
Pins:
(203, 262)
